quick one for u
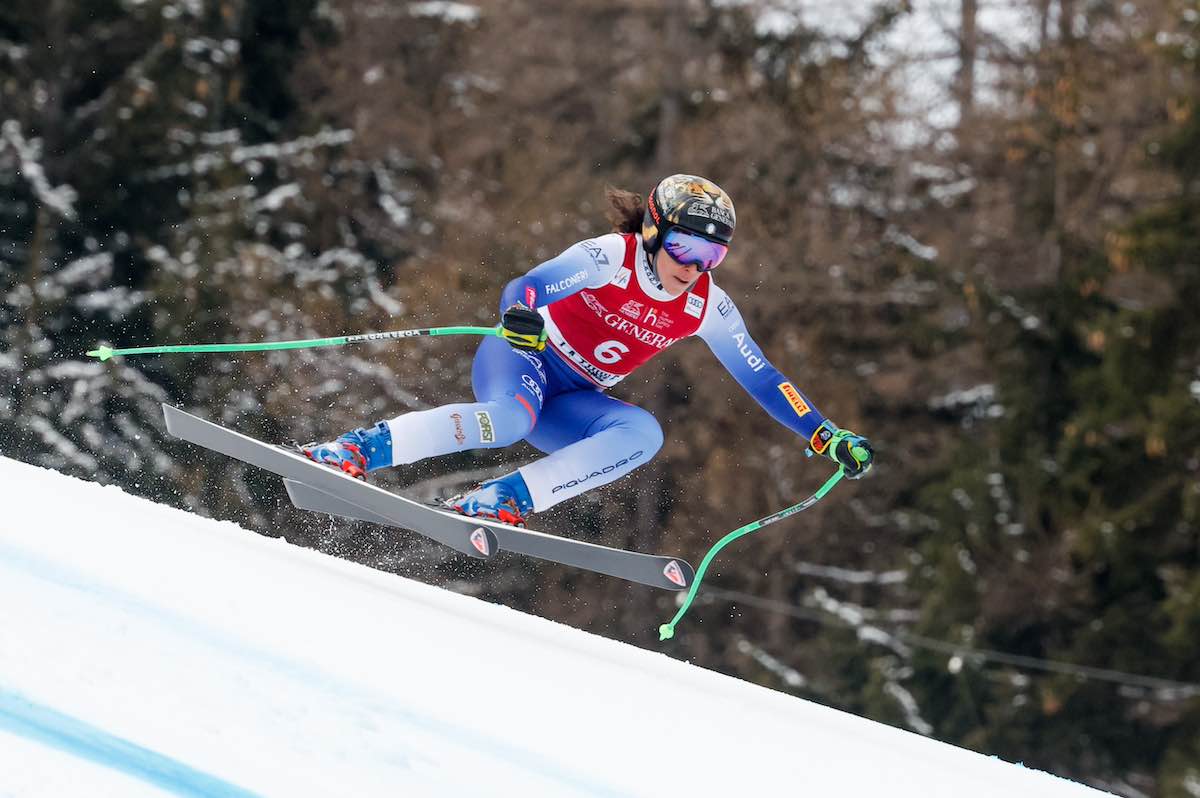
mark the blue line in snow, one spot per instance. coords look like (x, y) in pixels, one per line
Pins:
(509, 751)
(36, 722)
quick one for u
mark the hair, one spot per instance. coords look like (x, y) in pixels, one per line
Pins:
(625, 210)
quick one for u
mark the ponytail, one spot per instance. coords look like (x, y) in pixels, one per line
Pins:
(625, 210)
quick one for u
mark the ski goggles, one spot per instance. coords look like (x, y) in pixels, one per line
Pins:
(689, 249)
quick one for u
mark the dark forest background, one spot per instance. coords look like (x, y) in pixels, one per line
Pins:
(1005, 301)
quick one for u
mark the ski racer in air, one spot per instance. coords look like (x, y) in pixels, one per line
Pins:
(574, 327)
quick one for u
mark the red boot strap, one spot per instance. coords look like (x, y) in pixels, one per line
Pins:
(512, 516)
(354, 470)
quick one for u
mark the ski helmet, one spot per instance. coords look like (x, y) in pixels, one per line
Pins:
(689, 202)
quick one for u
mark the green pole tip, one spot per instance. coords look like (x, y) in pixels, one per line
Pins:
(859, 453)
(666, 632)
(104, 353)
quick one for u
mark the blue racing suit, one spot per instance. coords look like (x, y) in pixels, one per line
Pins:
(589, 437)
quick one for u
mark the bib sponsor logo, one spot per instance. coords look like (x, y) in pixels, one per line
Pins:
(590, 300)
(621, 324)
(459, 435)
(595, 251)
(755, 362)
(659, 318)
(621, 278)
(487, 433)
(632, 309)
(598, 374)
(565, 283)
(608, 469)
(694, 306)
(795, 400)
(725, 307)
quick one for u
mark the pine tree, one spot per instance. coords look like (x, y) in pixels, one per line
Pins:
(1067, 530)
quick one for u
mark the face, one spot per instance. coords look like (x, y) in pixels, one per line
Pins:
(676, 278)
(684, 256)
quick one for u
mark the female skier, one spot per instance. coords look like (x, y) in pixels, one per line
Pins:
(605, 306)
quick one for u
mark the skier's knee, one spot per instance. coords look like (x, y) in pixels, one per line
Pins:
(648, 433)
(511, 420)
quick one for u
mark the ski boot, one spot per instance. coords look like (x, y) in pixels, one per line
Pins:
(356, 452)
(505, 500)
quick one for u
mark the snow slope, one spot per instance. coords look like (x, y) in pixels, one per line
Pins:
(148, 651)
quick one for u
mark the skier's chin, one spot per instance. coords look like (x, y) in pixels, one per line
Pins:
(676, 285)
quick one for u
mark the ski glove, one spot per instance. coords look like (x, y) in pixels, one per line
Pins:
(523, 328)
(852, 452)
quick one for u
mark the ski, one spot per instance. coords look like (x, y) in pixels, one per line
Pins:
(655, 570)
(449, 529)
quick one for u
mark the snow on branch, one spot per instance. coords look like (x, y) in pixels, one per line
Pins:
(91, 270)
(288, 149)
(210, 161)
(852, 577)
(382, 299)
(67, 451)
(61, 200)
(912, 712)
(447, 11)
(907, 242)
(392, 205)
(116, 302)
(13, 51)
(790, 676)
(855, 618)
(275, 199)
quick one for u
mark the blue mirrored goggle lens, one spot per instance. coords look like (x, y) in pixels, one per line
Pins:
(692, 250)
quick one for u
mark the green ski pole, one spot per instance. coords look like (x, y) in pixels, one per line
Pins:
(104, 352)
(667, 630)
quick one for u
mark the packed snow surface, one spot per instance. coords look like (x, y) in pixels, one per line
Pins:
(148, 651)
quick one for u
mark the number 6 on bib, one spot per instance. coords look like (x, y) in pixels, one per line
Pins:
(610, 352)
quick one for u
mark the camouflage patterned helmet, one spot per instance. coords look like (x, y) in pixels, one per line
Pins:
(690, 202)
